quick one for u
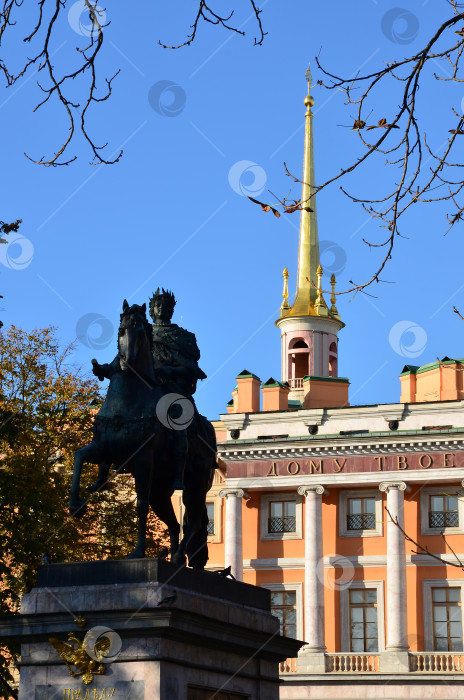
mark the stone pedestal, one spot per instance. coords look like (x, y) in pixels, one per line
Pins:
(311, 662)
(394, 662)
(183, 634)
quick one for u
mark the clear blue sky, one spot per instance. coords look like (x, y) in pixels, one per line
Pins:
(169, 214)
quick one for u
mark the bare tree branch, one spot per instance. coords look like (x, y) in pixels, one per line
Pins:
(204, 12)
(58, 83)
(58, 80)
(425, 550)
(421, 174)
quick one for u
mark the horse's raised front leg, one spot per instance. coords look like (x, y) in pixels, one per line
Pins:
(89, 453)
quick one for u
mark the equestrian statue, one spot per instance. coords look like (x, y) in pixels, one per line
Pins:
(149, 426)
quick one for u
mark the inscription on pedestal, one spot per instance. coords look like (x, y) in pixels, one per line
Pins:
(119, 690)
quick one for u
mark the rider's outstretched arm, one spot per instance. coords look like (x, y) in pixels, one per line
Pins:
(105, 371)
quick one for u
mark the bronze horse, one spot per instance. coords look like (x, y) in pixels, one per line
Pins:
(132, 434)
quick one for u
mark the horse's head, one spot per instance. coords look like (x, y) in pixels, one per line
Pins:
(134, 337)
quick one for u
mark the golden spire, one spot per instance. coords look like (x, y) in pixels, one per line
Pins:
(308, 252)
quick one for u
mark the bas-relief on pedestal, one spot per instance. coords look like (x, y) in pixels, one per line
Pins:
(185, 634)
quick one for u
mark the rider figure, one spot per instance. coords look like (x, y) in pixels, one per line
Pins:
(175, 361)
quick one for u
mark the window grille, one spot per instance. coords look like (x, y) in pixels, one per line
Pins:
(361, 514)
(443, 519)
(284, 524)
(364, 521)
(281, 517)
(443, 511)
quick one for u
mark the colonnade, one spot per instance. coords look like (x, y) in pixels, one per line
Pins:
(397, 642)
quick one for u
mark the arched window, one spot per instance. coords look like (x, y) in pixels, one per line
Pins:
(299, 361)
(333, 360)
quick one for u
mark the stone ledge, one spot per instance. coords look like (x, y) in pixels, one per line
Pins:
(133, 571)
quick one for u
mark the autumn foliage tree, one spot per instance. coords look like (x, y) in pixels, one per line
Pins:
(46, 411)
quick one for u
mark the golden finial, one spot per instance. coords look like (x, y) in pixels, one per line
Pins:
(320, 305)
(308, 76)
(309, 100)
(285, 304)
(333, 308)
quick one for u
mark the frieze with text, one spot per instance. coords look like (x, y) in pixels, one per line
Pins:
(346, 465)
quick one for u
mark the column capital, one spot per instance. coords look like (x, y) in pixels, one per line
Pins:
(312, 488)
(387, 485)
(238, 493)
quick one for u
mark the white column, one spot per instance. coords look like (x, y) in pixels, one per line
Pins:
(314, 633)
(233, 530)
(397, 628)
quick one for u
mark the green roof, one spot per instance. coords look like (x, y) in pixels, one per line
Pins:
(271, 382)
(344, 380)
(414, 369)
(244, 374)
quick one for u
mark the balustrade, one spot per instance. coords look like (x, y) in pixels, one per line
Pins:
(352, 663)
(435, 662)
(419, 662)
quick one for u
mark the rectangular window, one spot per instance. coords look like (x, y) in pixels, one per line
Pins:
(210, 511)
(283, 606)
(364, 635)
(447, 620)
(443, 511)
(361, 514)
(282, 516)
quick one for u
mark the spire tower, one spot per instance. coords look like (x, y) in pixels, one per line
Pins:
(308, 251)
(309, 330)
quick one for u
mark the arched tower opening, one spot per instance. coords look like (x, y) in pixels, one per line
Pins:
(333, 360)
(298, 365)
